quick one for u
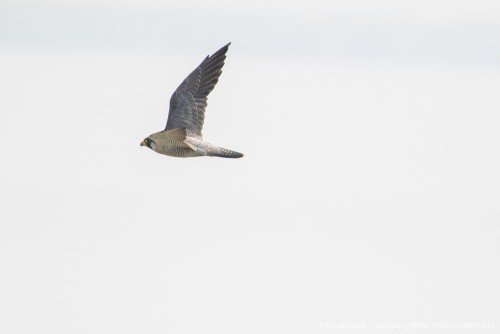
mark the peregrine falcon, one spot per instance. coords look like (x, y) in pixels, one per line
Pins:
(182, 136)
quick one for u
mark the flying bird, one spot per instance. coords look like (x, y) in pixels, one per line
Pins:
(182, 136)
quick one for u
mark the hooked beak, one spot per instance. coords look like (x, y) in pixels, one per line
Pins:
(143, 143)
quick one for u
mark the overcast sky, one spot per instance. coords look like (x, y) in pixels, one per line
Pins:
(368, 193)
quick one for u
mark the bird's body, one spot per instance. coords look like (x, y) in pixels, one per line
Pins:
(182, 136)
(180, 144)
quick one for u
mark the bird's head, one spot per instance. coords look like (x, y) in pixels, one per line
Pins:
(148, 142)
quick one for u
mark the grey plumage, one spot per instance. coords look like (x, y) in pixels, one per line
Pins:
(182, 136)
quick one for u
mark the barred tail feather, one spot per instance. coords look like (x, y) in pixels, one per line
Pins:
(223, 153)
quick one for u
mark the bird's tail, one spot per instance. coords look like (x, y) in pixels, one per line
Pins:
(223, 153)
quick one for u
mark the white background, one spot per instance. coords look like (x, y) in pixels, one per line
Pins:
(369, 191)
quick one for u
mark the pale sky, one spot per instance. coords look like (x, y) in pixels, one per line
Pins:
(368, 193)
(392, 10)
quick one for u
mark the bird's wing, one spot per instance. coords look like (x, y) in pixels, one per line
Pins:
(188, 103)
